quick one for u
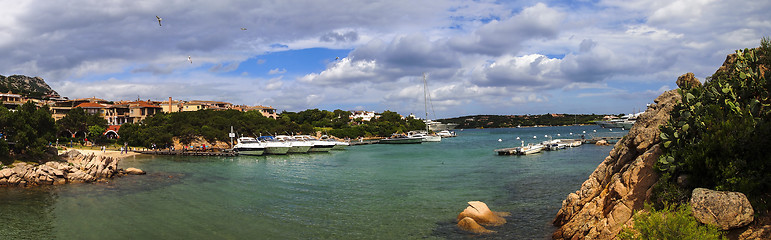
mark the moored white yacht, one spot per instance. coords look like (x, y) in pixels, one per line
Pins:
(249, 146)
(295, 146)
(318, 145)
(273, 146)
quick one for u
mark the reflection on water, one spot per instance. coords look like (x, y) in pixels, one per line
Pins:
(26, 212)
(372, 191)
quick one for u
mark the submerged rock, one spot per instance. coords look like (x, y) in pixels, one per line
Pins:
(726, 210)
(478, 213)
(468, 224)
(134, 171)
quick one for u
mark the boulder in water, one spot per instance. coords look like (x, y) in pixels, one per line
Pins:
(482, 214)
(134, 171)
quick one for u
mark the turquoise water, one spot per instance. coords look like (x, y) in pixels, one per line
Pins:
(365, 192)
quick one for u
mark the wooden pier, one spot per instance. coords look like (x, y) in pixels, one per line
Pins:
(190, 153)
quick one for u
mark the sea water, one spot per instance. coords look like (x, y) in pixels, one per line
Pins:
(375, 191)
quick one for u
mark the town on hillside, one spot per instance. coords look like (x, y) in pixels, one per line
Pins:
(119, 112)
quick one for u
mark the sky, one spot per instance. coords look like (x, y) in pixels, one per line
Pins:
(479, 57)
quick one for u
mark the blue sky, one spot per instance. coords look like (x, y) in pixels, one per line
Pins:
(481, 57)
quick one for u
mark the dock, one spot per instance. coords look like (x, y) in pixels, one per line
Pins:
(594, 140)
(507, 151)
(190, 153)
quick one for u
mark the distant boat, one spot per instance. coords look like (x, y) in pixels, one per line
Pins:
(626, 121)
(427, 137)
(249, 146)
(446, 134)
(401, 139)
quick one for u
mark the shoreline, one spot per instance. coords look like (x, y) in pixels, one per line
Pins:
(106, 153)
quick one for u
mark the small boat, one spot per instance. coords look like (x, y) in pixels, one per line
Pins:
(401, 139)
(425, 137)
(274, 146)
(249, 146)
(295, 146)
(529, 149)
(446, 134)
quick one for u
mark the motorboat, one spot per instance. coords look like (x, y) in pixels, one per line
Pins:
(295, 146)
(274, 146)
(426, 137)
(249, 146)
(401, 139)
(446, 134)
(529, 149)
(339, 145)
(318, 145)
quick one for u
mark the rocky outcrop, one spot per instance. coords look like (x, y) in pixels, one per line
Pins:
(27, 86)
(621, 183)
(478, 213)
(687, 81)
(726, 210)
(77, 168)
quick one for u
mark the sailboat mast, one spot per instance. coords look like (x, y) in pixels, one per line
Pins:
(425, 100)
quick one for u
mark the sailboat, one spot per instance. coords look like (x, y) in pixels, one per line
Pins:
(426, 97)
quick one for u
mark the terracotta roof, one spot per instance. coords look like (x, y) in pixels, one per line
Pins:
(90, 105)
(113, 127)
(143, 104)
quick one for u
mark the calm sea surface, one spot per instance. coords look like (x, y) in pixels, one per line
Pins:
(365, 192)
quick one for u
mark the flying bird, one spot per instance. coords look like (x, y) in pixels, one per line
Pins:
(243, 29)
(190, 59)
(336, 58)
(159, 20)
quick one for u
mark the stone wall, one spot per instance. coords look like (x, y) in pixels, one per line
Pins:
(621, 183)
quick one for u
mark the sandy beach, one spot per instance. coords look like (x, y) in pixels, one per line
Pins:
(108, 153)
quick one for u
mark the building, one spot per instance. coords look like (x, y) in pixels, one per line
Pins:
(268, 112)
(10, 100)
(131, 112)
(364, 115)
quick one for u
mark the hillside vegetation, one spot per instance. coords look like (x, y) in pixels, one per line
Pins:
(508, 121)
(718, 136)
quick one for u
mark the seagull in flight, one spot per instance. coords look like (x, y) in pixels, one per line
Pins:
(190, 59)
(159, 20)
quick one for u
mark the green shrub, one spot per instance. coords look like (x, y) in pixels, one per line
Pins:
(669, 223)
(718, 133)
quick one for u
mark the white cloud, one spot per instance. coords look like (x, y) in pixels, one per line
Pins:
(277, 71)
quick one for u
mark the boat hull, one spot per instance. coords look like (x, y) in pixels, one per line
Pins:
(277, 150)
(401, 141)
(321, 148)
(250, 151)
(299, 149)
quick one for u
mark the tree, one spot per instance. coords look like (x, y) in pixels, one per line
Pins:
(77, 120)
(32, 129)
